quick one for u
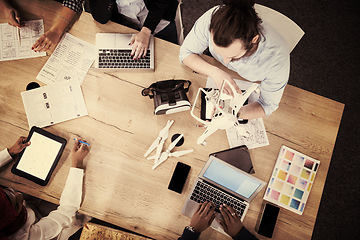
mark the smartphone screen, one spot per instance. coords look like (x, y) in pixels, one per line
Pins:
(268, 220)
(179, 177)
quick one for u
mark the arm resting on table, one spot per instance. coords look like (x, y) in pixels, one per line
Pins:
(4, 157)
(50, 226)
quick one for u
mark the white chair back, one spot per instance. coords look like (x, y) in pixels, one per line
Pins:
(179, 25)
(290, 31)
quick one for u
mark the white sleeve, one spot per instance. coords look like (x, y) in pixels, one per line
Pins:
(198, 38)
(50, 226)
(4, 157)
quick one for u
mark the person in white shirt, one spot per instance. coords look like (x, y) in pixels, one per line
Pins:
(19, 221)
(242, 42)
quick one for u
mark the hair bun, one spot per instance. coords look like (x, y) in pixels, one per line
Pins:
(240, 3)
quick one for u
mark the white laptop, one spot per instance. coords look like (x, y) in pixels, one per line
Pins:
(220, 182)
(114, 54)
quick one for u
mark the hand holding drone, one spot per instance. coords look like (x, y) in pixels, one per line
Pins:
(226, 109)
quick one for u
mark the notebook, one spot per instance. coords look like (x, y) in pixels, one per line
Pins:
(114, 54)
(220, 182)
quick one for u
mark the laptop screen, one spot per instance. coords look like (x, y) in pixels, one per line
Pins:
(232, 179)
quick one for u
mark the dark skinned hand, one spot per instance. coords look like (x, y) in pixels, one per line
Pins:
(231, 223)
(78, 153)
(203, 217)
(18, 146)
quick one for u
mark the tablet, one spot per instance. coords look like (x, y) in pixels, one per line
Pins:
(37, 161)
(238, 157)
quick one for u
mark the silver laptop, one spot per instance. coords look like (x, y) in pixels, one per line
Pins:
(114, 54)
(220, 182)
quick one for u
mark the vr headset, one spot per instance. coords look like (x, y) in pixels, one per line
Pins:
(169, 96)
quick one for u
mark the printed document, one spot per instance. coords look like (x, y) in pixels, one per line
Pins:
(54, 103)
(255, 128)
(71, 59)
(13, 47)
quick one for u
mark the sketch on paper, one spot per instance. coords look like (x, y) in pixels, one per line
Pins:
(256, 137)
(14, 48)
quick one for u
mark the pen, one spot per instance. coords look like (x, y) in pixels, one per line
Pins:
(83, 142)
(18, 33)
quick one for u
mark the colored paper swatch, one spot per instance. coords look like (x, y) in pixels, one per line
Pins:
(312, 177)
(278, 185)
(295, 170)
(305, 173)
(289, 155)
(275, 172)
(282, 175)
(301, 184)
(294, 203)
(274, 195)
(271, 181)
(267, 191)
(309, 187)
(316, 166)
(284, 199)
(302, 207)
(299, 160)
(309, 164)
(298, 194)
(291, 180)
(288, 189)
(285, 165)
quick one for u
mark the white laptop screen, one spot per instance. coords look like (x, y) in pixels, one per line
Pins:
(232, 179)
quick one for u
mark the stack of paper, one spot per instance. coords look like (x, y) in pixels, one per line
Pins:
(65, 70)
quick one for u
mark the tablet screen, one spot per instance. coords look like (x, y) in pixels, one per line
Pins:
(39, 157)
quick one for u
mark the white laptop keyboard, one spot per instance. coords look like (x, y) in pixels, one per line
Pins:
(205, 192)
(116, 58)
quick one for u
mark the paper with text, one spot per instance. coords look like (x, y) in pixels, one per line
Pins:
(11, 48)
(54, 103)
(71, 59)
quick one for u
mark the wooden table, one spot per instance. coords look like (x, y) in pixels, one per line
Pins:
(119, 185)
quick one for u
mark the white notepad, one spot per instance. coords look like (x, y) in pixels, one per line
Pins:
(54, 103)
(11, 48)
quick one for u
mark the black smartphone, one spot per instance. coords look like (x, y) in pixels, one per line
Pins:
(268, 220)
(179, 177)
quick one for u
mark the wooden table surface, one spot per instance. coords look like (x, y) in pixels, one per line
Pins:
(119, 185)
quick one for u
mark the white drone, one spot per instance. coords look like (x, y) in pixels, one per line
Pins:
(226, 109)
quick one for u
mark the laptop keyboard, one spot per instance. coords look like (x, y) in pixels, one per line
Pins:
(205, 192)
(116, 58)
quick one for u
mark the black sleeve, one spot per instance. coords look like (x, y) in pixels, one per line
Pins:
(244, 234)
(189, 235)
(159, 9)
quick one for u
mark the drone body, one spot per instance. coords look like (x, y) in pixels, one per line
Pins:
(225, 112)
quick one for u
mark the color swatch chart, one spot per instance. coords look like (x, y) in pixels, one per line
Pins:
(291, 180)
